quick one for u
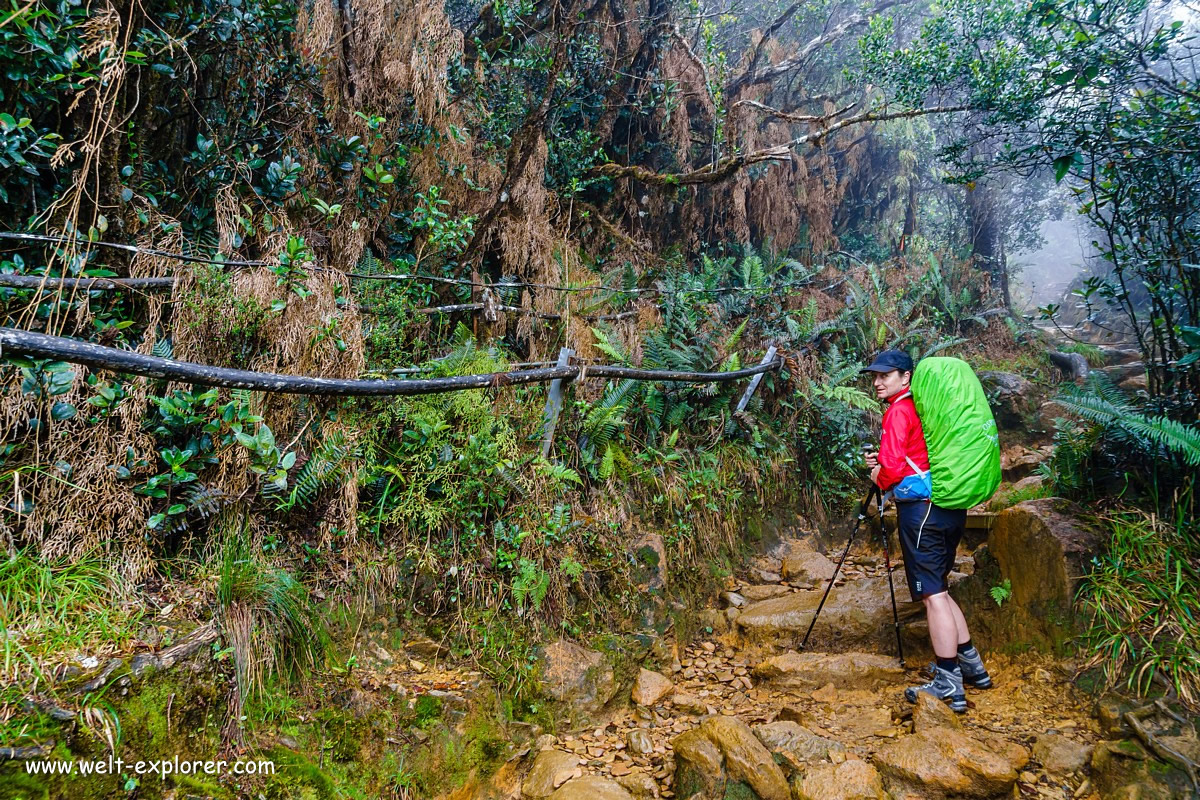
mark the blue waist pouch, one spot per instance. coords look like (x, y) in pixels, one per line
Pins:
(914, 487)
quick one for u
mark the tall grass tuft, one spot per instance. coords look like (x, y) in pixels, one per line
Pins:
(52, 610)
(267, 617)
(1144, 598)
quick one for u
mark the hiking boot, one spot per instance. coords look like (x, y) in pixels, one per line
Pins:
(947, 685)
(973, 673)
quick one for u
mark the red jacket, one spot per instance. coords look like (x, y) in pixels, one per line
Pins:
(902, 436)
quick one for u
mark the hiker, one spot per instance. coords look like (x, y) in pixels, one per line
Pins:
(929, 534)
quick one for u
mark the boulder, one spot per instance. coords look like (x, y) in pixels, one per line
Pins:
(765, 591)
(723, 749)
(580, 678)
(807, 566)
(651, 687)
(857, 615)
(1010, 396)
(699, 766)
(650, 577)
(550, 770)
(1043, 550)
(639, 784)
(1059, 755)
(795, 742)
(940, 759)
(732, 599)
(1073, 366)
(713, 620)
(591, 787)
(1124, 770)
(1028, 482)
(843, 670)
(1019, 461)
(1110, 709)
(503, 784)
(851, 780)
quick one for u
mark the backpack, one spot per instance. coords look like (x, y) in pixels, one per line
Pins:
(960, 432)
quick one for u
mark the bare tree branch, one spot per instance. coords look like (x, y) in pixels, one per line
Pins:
(727, 167)
(753, 76)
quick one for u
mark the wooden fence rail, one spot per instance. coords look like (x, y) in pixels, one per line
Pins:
(14, 342)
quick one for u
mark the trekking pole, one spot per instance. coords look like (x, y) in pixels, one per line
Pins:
(862, 514)
(887, 562)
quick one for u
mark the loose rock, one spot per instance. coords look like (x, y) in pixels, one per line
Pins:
(550, 770)
(851, 780)
(843, 670)
(1060, 755)
(591, 787)
(651, 687)
(639, 742)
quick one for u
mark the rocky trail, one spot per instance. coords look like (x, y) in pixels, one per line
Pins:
(741, 707)
(739, 713)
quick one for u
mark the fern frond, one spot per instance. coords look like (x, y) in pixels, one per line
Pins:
(610, 349)
(1116, 414)
(735, 337)
(332, 462)
(942, 345)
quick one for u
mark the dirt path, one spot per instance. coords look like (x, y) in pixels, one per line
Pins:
(846, 704)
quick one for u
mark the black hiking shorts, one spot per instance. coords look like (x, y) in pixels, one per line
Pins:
(929, 537)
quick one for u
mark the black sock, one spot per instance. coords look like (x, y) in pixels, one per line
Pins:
(965, 646)
(947, 663)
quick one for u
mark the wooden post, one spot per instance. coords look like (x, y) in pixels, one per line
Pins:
(554, 401)
(756, 380)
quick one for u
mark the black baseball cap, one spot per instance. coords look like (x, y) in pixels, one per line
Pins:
(889, 360)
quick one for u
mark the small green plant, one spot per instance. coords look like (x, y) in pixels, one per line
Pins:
(443, 233)
(1001, 591)
(266, 616)
(290, 269)
(530, 585)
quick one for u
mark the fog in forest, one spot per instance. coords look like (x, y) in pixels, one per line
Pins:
(1042, 276)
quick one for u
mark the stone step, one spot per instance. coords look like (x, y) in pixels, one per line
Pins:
(857, 615)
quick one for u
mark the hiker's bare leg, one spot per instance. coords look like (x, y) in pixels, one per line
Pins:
(960, 621)
(943, 627)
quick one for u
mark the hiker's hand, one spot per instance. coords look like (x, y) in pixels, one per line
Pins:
(875, 474)
(871, 460)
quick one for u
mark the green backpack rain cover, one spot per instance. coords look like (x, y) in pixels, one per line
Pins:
(960, 432)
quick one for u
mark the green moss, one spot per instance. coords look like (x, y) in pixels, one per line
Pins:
(197, 786)
(1131, 748)
(343, 734)
(296, 778)
(448, 759)
(429, 711)
(16, 785)
(648, 556)
(736, 790)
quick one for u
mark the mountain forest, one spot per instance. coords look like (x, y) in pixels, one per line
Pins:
(465, 399)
